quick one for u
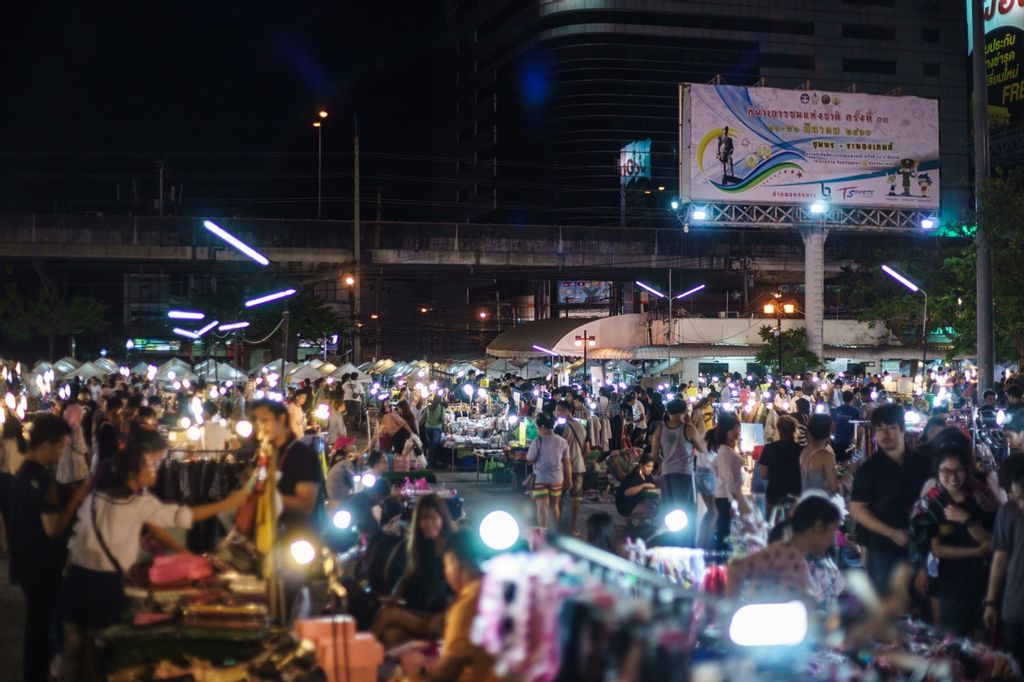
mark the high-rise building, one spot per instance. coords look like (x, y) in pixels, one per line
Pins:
(544, 93)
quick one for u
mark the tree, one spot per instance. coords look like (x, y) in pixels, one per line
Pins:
(53, 313)
(795, 356)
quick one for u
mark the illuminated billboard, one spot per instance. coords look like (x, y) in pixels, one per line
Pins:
(772, 146)
(1004, 40)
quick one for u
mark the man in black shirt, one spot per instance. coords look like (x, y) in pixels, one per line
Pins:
(38, 537)
(108, 432)
(885, 489)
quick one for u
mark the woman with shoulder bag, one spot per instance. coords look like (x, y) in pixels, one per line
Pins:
(106, 542)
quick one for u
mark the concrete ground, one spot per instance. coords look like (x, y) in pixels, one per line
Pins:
(480, 496)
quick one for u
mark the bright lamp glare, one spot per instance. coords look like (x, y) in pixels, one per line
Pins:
(650, 289)
(194, 434)
(232, 326)
(184, 422)
(912, 418)
(690, 292)
(676, 520)
(302, 552)
(674, 205)
(236, 242)
(186, 333)
(900, 278)
(927, 223)
(769, 624)
(499, 530)
(468, 390)
(1000, 417)
(185, 315)
(700, 213)
(243, 429)
(269, 297)
(342, 519)
(207, 328)
(369, 480)
(819, 207)
(542, 349)
(513, 420)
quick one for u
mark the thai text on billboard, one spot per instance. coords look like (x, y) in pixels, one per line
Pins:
(1004, 41)
(772, 146)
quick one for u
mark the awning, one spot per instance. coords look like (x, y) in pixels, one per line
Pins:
(710, 350)
(519, 341)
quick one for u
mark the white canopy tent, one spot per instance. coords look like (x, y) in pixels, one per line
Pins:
(303, 372)
(66, 365)
(348, 368)
(175, 367)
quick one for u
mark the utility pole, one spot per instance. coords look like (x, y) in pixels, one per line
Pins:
(160, 189)
(356, 250)
(983, 266)
(284, 352)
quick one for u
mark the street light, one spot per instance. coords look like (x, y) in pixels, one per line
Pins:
(232, 326)
(185, 315)
(587, 341)
(778, 309)
(924, 319)
(483, 314)
(319, 162)
(650, 289)
(236, 242)
(349, 280)
(269, 297)
(542, 349)
(690, 292)
(186, 333)
(819, 207)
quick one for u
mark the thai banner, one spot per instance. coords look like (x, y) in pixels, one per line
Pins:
(1004, 40)
(772, 146)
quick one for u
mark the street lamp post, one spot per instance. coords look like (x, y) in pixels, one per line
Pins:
(586, 340)
(924, 320)
(777, 308)
(319, 161)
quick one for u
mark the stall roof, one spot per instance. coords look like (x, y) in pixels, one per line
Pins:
(518, 341)
(710, 350)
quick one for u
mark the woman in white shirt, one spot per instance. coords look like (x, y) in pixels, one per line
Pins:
(728, 478)
(106, 542)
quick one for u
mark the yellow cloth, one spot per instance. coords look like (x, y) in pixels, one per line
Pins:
(457, 644)
(265, 532)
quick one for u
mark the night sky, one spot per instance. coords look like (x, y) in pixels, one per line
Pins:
(226, 92)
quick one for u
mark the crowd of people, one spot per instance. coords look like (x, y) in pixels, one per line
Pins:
(76, 479)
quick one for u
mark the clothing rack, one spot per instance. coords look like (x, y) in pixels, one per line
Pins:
(648, 581)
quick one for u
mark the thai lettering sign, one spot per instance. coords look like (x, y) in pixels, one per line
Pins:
(1004, 40)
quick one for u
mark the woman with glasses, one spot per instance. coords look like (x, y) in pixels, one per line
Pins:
(954, 520)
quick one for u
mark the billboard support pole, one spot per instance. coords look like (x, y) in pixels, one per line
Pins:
(814, 236)
(983, 265)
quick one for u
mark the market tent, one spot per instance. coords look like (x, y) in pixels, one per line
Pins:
(107, 365)
(66, 364)
(379, 367)
(274, 366)
(179, 368)
(140, 368)
(327, 368)
(348, 368)
(519, 341)
(90, 370)
(535, 369)
(304, 372)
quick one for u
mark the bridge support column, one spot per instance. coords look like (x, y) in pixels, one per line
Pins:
(627, 293)
(814, 237)
(541, 303)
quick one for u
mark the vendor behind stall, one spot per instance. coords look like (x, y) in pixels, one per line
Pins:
(106, 542)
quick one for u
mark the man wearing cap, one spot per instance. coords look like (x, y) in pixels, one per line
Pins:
(672, 445)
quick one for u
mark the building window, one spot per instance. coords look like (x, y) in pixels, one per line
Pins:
(869, 66)
(868, 32)
(788, 61)
(876, 3)
(930, 69)
(930, 35)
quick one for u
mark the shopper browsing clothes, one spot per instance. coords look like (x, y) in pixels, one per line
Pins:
(728, 479)
(106, 542)
(885, 488)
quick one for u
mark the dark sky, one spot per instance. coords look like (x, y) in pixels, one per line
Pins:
(92, 93)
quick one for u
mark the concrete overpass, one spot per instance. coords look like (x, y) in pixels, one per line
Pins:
(404, 248)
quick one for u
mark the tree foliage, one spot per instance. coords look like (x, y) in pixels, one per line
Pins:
(795, 356)
(945, 267)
